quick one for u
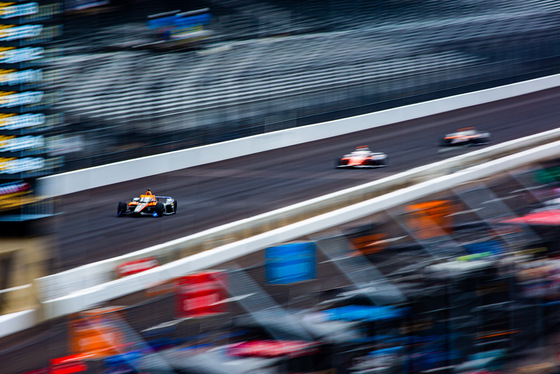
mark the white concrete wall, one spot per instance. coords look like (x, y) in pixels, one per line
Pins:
(66, 183)
(89, 297)
(73, 280)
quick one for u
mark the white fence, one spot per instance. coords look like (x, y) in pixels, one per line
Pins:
(90, 275)
(85, 298)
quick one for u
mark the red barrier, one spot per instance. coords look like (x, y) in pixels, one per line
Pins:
(136, 266)
(201, 294)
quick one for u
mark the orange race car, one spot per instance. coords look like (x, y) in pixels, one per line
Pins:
(465, 136)
(362, 157)
(148, 205)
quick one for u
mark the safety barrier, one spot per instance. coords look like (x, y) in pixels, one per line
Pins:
(100, 274)
(15, 322)
(87, 297)
(83, 298)
(64, 283)
(66, 183)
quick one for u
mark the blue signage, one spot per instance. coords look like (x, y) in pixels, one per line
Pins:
(291, 262)
(492, 246)
(364, 313)
(180, 21)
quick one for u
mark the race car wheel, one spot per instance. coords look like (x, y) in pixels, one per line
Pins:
(175, 207)
(121, 208)
(444, 142)
(159, 209)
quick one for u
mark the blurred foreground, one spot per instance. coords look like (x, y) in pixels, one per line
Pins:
(462, 282)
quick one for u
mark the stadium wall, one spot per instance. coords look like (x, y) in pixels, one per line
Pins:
(75, 181)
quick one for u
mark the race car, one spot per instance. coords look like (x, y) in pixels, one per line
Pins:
(363, 157)
(148, 205)
(465, 136)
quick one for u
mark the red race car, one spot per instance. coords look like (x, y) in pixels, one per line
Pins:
(363, 157)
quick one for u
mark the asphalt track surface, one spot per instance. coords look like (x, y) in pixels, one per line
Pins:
(210, 195)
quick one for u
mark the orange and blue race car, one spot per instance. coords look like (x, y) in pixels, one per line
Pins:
(465, 136)
(363, 157)
(148, 204)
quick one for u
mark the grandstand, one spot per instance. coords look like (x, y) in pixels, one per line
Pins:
(279, 64)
